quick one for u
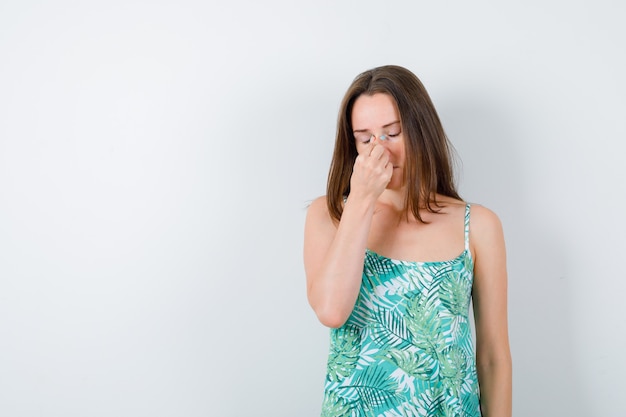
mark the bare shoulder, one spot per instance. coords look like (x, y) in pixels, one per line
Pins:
(485, 229)
(318, 208)
(450, 205)
(318, 204)
(319, 230)
(317, 214)
(483, 218)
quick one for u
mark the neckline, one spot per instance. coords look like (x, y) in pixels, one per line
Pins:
(462, 255)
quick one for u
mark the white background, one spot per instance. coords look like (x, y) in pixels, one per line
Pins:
(157, 158)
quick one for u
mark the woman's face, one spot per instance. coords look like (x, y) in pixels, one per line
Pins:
(375, 120)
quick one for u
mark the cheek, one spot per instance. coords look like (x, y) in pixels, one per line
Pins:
(398, 150)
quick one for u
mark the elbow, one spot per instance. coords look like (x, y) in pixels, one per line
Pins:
(331, 310)
(330, 317)
(334, 321)
(495, 362)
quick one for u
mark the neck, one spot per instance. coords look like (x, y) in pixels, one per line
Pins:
(394, 198)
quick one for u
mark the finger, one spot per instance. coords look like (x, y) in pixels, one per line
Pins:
(377, 151)
(388, 165)
(358, 160)
(372, 146)
(385, 156)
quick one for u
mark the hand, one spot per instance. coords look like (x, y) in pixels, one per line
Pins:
(372, 171)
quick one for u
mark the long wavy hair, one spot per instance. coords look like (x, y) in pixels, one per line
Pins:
(428, 167)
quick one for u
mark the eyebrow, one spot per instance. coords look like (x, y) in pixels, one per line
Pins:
(387, 125)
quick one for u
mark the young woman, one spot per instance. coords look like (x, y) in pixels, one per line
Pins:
(393, 257)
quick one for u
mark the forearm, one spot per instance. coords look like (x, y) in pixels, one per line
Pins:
(495, 379)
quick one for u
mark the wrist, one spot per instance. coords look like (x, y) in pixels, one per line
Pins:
(366, 201)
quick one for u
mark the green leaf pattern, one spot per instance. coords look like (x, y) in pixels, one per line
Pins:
(406, 350)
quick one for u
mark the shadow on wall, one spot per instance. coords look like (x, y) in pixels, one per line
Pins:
(489, 137)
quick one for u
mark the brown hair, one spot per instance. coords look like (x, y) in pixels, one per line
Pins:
(428, 167)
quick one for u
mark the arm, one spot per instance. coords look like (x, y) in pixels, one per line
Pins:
(334, 253)
(333, 258)
(493, 357)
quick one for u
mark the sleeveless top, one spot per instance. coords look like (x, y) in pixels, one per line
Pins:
(406, 349)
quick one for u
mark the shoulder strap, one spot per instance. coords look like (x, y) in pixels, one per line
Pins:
(467, 220)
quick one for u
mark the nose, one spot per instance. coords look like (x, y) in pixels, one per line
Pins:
(380, 138)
